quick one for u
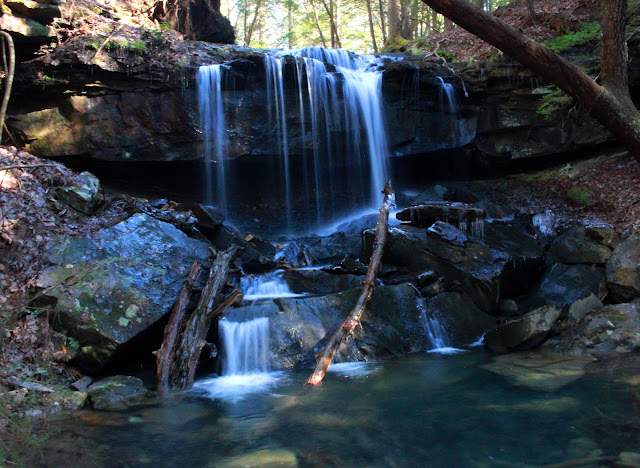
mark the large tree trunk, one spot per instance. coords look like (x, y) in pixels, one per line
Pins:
(353, 318)
(611, 106)
(371, 27)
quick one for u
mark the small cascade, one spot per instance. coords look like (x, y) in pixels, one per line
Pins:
(267, 286)
(447, 103)
(214, 128)
(245, 346)
(438, 339)
(474, 228)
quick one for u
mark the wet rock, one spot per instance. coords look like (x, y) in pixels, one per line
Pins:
(502, 264)
(332, 248)
(526, 332)
(612, 328)
(565, 284)
(320, 282)
(461, 319)
(623, 270)
(83, 195)
(348, 266)
(457, 214)
(575, 246)
(542, 371)
(108, 287)
(432, 289)
(119, 392)
(267, 458)
(82, 384)
(294, 255)
(628, 460)
(573, 313)
(508, 307)
(257, 256)
(209, 218)
(604, 236)
(391, 326)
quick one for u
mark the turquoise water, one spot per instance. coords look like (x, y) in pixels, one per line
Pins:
(421, 410)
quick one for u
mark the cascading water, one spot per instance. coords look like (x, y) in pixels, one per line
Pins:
(436, 333)
(214, 128)
(245, 361)
(245, 346)
(266, 286)
(447, 103)
(343, 167)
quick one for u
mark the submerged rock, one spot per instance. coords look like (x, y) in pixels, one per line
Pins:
(529, 331)
(119, 392)
(109, 287)
(539, 370)
(266, 458)
(623, 270)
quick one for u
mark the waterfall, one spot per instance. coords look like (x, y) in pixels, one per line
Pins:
(214, 128)
(439, 341)
(343, 162)
(267, 286)
(447, 103)
(245, 346)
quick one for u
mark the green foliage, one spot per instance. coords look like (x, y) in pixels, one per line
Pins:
(588, 32)
(553, 100)
(136, 46)
(581, 197)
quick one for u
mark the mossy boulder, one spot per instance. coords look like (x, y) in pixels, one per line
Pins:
(119, 392)
(108, 287)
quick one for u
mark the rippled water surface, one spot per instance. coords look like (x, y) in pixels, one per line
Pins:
(436, 410)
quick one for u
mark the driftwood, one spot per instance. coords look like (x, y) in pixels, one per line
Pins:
(211, 303)
(167, 352)
(353, 318)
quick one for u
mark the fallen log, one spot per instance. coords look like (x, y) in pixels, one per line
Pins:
(166, 354)
(211, 303)
(353, 318)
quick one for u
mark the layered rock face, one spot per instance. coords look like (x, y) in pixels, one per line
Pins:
(131, 112)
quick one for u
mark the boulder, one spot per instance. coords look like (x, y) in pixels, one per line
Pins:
(257, 255)
(526, 332)
(455, 213)
(573, 313)
(293, 254)
(111, 286)
(463, 322)
(42, 12)
(612, 328)
(538, 370)
(332, 248)
(604, 236)
(119, 392)
(265, 458)
(565, 284)
(575, 246)
(623, 270)
(299, 328)
(503, 264)
(83, 194)
(320, 282)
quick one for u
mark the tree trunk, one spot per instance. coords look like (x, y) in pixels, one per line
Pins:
(210, 305)
(9, 55)
(615, 113)
(382, 22)
(614, 61)
(371, 28)
(532, 11)
(353, 318)
(317, 17)
(247, 40)
(393, 26)
(167, 352)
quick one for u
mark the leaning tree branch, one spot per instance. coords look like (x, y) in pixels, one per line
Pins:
(353, 318)
(613, 111)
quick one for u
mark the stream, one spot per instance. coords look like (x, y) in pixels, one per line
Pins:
(428, 409)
